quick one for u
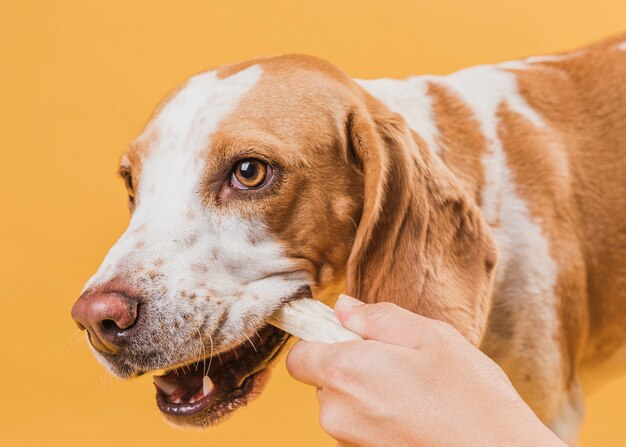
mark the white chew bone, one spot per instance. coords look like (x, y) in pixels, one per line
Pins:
(311, 320)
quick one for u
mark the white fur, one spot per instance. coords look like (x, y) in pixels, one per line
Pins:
(529, 62)
(409, 98)
(621, 46)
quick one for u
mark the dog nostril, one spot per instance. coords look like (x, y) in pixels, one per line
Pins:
(110, 326)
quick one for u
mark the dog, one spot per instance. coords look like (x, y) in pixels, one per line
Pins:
(493, 199)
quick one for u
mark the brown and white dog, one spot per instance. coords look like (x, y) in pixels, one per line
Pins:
(493, 199)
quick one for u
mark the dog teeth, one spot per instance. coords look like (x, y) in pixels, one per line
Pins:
(164, 385)
(207, 385)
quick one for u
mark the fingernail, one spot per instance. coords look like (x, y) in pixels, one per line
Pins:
(348, 301)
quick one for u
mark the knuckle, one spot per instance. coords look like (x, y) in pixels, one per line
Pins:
(443, 329)
(330, 421)
(382, 309)
(344, 365)
(449, 332)
(441, 333)
(338, 374)
(379, 312)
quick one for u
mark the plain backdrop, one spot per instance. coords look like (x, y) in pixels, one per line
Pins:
(78, 80)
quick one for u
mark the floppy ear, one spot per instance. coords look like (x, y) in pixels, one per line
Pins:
(421, 241)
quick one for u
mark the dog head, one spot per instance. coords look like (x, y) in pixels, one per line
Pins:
(261, 182)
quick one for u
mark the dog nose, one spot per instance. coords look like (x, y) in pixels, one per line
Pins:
(108, 318)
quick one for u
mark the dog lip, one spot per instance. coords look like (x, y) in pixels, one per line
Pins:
(185, 408)
(180, 393)
(214, 398)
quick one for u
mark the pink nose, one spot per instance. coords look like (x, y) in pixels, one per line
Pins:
(108, 317)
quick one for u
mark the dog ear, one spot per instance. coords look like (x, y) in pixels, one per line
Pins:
(421, 241)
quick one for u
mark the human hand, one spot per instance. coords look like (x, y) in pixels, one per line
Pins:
(413, 381)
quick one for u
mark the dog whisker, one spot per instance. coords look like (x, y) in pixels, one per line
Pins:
(253, 345)
(226, 335)
(211, 357)
(258, 336)
(70, 343)
(355, 225)
(205, 371)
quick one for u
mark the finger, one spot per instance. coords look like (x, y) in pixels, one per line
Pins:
(306, 360)
(384, 322)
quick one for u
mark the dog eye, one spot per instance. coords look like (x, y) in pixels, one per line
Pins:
(250, 174)
(128, 182)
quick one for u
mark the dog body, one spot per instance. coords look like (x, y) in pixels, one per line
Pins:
(493, 199)
(540, 145)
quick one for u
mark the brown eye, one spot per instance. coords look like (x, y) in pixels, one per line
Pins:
(250, 174)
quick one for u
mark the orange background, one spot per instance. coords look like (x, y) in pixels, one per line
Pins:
(79, 78)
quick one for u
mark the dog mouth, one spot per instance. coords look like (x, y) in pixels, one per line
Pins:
(202, 392)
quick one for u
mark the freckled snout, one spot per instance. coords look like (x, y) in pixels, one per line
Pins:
(109, 317)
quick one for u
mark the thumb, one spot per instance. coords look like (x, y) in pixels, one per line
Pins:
(383, 322)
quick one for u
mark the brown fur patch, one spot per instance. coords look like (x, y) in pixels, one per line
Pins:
(584, 99)
(536, 158)
(460, 138)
